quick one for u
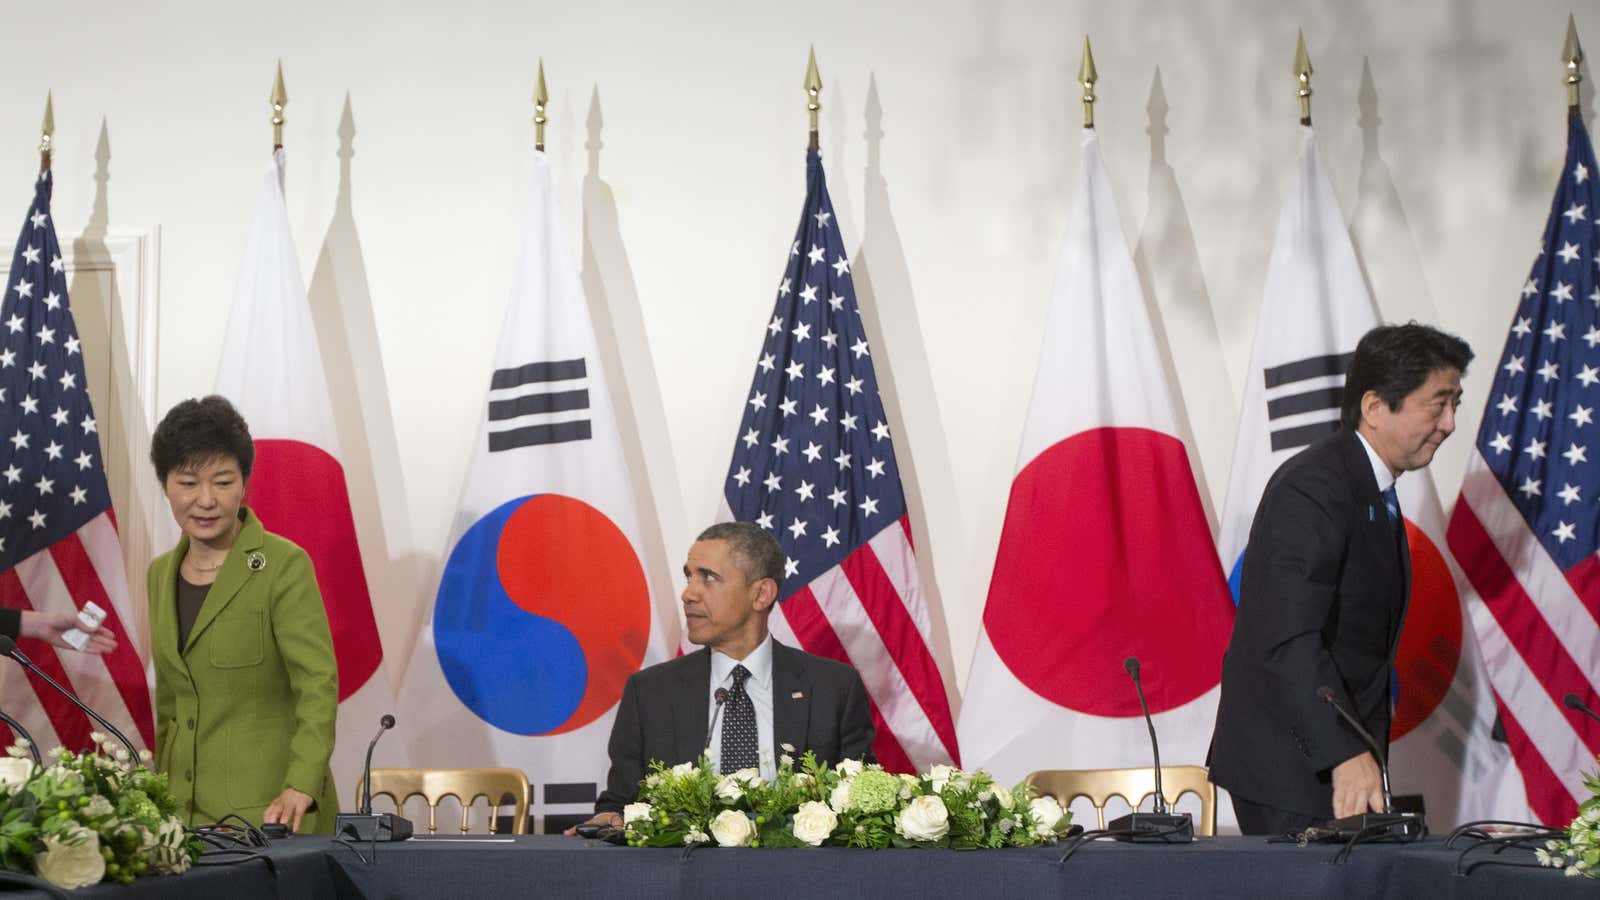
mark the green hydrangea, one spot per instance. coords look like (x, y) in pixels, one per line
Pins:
(136, 805)
(874, 791)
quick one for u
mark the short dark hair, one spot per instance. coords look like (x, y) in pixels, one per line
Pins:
(198, 431)
(757, 550)
(1395, 360)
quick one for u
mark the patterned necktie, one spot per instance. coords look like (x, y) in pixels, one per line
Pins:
(738, 726)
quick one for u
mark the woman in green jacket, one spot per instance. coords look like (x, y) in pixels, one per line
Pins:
(247, 686)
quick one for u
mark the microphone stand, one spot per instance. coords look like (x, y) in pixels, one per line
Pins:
(1161, 826)
(1373, 826)
(8, 647)
(364, 825)
(16, 728)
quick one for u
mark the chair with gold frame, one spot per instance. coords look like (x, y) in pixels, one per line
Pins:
(1132, 785)
(466, 785)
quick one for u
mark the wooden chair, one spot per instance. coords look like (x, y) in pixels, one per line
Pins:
(466, 785)
(1132, 785)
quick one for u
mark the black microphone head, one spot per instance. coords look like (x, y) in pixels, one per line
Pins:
(1325, 693)
(1573, 701)
(721, 695)
(1132, 665)
(387, 721)
(7, 645)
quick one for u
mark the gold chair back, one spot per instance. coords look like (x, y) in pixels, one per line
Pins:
(466, 785)
(1132, 785)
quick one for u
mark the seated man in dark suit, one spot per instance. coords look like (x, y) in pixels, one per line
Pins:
(771, 695)
(1327, 575)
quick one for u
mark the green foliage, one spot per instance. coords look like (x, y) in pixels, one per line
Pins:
(126, 810)
(1579, 854)
(848, 805)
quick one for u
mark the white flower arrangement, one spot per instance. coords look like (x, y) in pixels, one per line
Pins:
(851, 804)
(1579, 854)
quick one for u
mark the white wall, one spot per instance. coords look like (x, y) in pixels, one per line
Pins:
(1445, 153)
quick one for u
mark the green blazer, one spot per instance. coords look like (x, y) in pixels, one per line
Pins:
(248, 707)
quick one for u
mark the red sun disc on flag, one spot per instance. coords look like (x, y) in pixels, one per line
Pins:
(298, 492)
(1430, 642)
(1106, 554)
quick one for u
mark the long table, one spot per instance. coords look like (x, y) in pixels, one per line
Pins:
(313, 867)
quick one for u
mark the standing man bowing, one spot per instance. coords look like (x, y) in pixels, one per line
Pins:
(743, 695)
(1326, 579)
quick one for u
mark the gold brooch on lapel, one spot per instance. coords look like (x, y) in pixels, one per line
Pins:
(255, 560)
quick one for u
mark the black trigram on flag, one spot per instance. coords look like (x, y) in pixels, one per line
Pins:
(1303, 399)
(539, 403)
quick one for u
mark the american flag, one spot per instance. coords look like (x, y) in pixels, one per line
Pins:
(58, 540)
(815, 465)
(1527, 526)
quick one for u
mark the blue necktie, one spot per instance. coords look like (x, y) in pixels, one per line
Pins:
(1391, 501)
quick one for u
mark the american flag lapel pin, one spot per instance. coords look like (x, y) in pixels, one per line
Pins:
(798, 695)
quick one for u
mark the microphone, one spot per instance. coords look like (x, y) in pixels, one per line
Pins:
(384, 724)
(722, 697)
(1161, 826)
(16, 728)
(1573, 701)
(1403, 826)
(8, 647)
(364, 825)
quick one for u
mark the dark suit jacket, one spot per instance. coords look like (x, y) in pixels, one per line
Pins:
(665, 712)
(1321, 602)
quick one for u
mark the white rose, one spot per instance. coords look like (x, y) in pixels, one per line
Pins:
(923, 819)
(733, 829)
(839, 800)
(814, 822)
(72, 865)
(635, 812)
(14, 773)
(849, 768)
(750, 775)
(99, 806)
(941, 775)
(730, 789)
(682, 769)
(695, 836)
(1002, 796)
(804, 779)
(1046, 813)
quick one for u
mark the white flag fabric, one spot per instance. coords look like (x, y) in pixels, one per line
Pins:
(1316, 308)
(272, 372)
(1105, 552)
(544, 607)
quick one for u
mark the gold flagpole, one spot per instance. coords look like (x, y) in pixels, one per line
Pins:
(47, 131)
(541, 97)
(1087, 76)
(813, 97)
(1302, 75)
(279, 100)
(1573, 55)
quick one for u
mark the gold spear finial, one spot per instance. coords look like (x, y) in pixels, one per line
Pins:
(813, 95)
(1087, 76)
(1302, 74)
(1572, 54)
(279, 100)
(47, 130)
(541, 97)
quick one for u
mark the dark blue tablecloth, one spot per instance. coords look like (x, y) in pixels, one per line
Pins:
(568, 867)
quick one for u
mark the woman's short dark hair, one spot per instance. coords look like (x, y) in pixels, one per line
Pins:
(1395, 360)
(197, 431)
